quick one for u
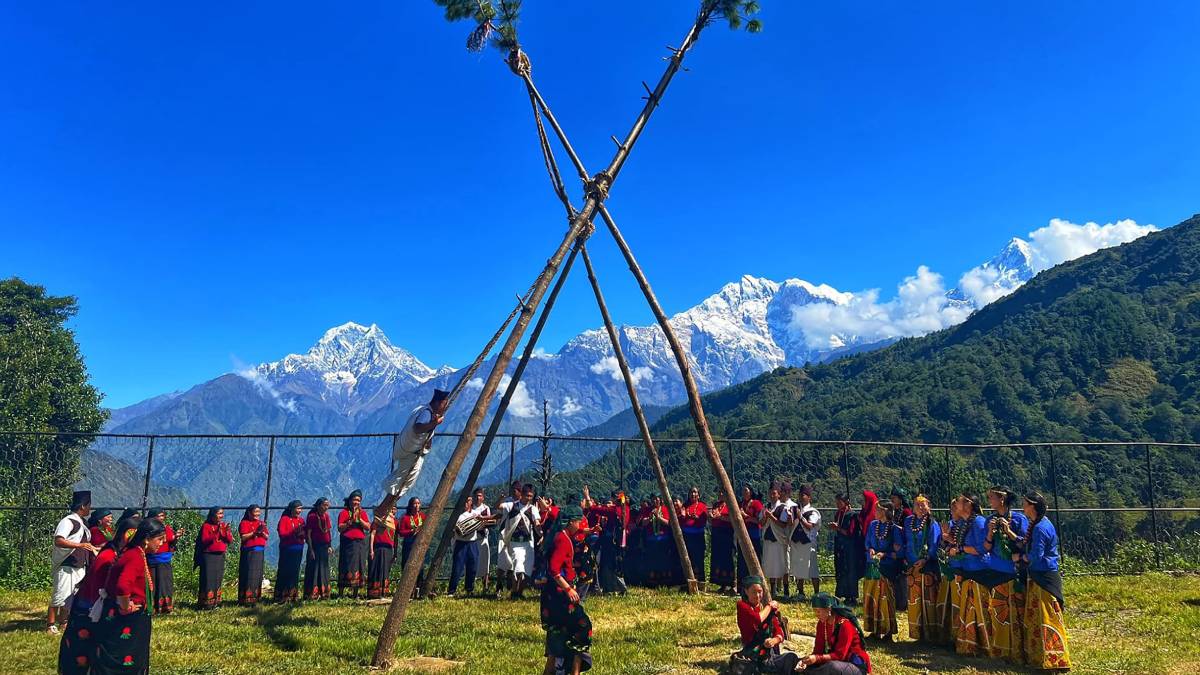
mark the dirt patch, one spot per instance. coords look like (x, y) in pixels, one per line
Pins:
(428, 664)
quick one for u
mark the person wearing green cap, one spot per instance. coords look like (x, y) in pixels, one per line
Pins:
(839, 648)
(567, 625)
(762, 631)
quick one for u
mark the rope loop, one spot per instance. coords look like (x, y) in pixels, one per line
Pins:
(518, 62)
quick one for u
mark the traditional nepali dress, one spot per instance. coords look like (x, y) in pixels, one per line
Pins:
(755, 631)
(721, 567)
(840, 648)
(352, 549)
(77, 650)
(568, 627)
(662, 558)
(291, 557)
(163, 574)
(751, 513)
(777, 541)
(1045, 629)
(407, 529)
(921, 544)
(123, 640)
(214, 540)
(100, 535)
(1006, 593)
(383, 554)
(974, 631)
(847, 556)
(879, 600)
(316, 567)
(613, 536)
(250, 561)
(950, 590)
(693, 521)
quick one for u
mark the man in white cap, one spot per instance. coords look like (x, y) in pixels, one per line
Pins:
(70, 556)
(410, 447)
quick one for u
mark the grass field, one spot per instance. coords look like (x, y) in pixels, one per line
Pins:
(1145, 624)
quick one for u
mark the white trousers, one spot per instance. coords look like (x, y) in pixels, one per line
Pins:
(407, 467)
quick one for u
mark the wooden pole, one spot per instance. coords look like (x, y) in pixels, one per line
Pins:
(388, 633)
(694, 404)
(476, 468)
(643, 426)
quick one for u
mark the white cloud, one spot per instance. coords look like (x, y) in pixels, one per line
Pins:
(920, 306)
(982, 285)
(609, 365)
(569, 407)
(1063, 240)
(540, 353)
(522, 404)
(474, 383)
(264, 385)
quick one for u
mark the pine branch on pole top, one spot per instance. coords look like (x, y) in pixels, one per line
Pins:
(496, 24)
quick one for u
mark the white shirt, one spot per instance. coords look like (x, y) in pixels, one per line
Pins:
(810, 514)
(73, 529)
(410, 440)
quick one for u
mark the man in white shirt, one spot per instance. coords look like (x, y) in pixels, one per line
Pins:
(69, 557)
(516, 530)
(410, 447)
(484, 567)
(776, 521)
(501, 514)
(804, 543)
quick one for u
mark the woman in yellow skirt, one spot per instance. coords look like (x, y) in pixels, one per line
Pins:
(924, 575)
(974, 634)
(1006, 529)
(1045, 628)
(883, 556)
(950, 587)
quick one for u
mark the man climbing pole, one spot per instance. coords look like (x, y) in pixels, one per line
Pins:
(410, 447)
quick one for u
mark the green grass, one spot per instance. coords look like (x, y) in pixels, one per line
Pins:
(1144, 624)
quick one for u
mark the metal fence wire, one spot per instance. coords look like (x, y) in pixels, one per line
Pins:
(1118, 507)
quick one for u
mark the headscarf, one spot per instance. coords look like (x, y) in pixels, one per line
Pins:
(293, 508)
(900, 492)
(827, 601)
(129, 513)
(867, 513)
(154, 513)
(97, 516)
(350, 498)
(317, 504)
(249, 513)
(569, 513)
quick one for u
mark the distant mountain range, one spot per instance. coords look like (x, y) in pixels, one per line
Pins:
(354, 380)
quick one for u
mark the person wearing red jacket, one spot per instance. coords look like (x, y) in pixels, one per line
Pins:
(353, 557)
(410, 525)
(123, 636)
(161, 565)
(383, 553)
(291, 553)
(77, 649)
(568, 627)
(839, 646)
(318, 532)
(252, 533)
(693, 519)
(211, 543)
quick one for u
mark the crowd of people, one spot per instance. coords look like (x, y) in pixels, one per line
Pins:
(986, 586)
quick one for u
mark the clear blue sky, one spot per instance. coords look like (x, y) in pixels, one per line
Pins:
(221, 182)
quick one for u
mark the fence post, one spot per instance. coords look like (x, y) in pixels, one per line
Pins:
(949, 478)
(512, 457)
(149, 468)
(846, 468)
(270, 466)
(732, 471)
(1060, 526)
(621, 463)
(35, 440)
(1153, 510)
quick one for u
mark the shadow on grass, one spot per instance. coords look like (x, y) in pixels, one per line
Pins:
(272, 620)
(923, 657)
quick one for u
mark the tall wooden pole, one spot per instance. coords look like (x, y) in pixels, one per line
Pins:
(693, 395)
(644, 427)
(476, 468)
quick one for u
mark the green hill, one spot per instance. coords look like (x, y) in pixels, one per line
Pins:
(1103, 348)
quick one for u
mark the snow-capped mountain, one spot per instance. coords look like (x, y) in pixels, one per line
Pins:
(353, 368)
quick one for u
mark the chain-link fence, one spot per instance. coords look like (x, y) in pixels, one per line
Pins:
(1118, 507)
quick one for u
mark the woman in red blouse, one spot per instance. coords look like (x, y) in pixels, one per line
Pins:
(161, 562)
(383, 553)
(353, 525)
(693, 518)
(721, 570)
(211, 542)
(410, 524)
(77, 649)
(761, 628)
(252, 533)
(100, 526)
(123, 636)
(318, 533)
(568, 627)
(839, 647)
(291, 553)
(752, 509)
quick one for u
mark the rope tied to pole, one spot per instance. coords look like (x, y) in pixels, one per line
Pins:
(519, 63)
(597, 187)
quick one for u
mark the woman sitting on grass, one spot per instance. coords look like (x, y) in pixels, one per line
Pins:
(839, 647)
(761, 627)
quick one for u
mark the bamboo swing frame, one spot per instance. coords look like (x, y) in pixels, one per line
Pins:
(581, 228)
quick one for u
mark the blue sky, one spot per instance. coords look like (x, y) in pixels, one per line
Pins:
(223, 183)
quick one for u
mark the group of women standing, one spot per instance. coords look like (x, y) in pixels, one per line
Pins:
(982, 585)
